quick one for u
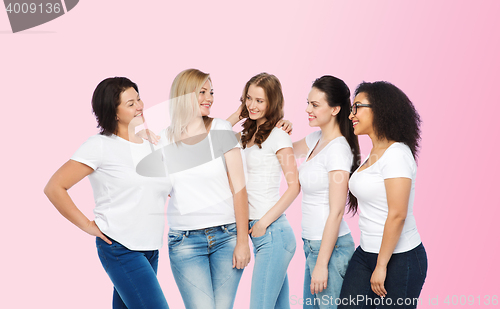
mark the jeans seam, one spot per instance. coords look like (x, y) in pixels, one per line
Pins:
(99, 248)
(419, 264)
(283, 241)
(268, 264)
(186, 280)
(131, 281)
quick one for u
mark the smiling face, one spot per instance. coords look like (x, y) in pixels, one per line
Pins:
(318, 110)
(129, 112)
(205, 98)
(363, 120)
(256, 103)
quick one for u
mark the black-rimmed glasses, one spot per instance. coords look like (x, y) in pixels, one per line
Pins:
(354, 107)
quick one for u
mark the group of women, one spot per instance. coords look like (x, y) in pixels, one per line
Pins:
(222, 189)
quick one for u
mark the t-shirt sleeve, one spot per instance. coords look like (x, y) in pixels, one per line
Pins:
(312, 139)
(223, 136)
(397, 162)
(339, 158)
(279, 140)
(90, 153)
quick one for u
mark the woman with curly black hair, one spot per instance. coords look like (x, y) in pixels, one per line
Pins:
(391, 261)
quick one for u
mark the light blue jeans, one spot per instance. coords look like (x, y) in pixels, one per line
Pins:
(273, 252)
(202, 265)
(337, 266)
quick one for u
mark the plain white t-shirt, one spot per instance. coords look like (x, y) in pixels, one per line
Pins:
(369, 188)
(129, 208)
(313, 176)
(201, 196)
(264, 173)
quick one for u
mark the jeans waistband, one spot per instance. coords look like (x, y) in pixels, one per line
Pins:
(203, 231)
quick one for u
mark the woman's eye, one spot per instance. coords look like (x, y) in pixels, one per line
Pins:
(211, 93)
(202, 92)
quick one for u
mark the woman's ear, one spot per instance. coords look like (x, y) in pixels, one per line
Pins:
(335, 110)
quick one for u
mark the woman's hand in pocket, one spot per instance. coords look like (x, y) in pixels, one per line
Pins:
(94, 230)
(258, 229)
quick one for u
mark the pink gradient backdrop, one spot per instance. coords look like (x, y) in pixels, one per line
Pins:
(443, 54)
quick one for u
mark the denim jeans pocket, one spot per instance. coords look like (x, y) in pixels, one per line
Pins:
(102, 257)
(288, 239)
(230, 229)
(341, 256)
(175, 239)
(421, 256)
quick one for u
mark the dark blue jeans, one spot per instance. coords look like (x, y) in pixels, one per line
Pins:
(133, 274)
(406, 274)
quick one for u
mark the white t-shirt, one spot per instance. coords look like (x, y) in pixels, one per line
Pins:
(313, 176)
(264, 173)
(129, 207)
(369, 188)
(201, 196)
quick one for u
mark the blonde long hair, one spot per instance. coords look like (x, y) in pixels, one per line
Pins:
(183, 105)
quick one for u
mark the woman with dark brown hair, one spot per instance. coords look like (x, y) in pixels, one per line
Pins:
(268, 150)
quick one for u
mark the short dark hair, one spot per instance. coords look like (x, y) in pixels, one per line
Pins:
(105, 101)
(394, 116)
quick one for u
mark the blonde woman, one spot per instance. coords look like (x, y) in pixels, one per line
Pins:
(208, 209)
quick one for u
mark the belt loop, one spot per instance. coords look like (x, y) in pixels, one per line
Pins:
(223, 227)
(187, 233)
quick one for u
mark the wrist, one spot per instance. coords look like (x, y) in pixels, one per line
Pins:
(321, 265)
(264, 222)
(242, 240)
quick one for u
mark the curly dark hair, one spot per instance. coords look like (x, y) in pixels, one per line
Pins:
(105, 101)
(274, 111)
(394, 116)
(338, 94)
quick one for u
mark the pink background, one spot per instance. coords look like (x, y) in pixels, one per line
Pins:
(443, 54)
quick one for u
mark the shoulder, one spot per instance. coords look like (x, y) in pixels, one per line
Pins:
(279, 137)
(97, 140)
(221, 124)
(398, 150)
(398, 161)
(312, 138)
(340, 144)
(278, 133)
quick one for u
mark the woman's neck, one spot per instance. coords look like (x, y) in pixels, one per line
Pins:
(379, 143)
(128, 134)
(195, 127)
(330, 131)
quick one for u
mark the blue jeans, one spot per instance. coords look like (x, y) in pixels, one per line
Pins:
(202, 265)
(133, 274)
(337, 266)
(273, 252)
(405, 277)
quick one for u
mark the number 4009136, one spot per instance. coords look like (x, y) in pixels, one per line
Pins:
(31, 8)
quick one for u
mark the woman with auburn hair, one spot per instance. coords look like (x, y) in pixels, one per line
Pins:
(331, 156)
(391, 261)
(268, 150)
(128, 233)
(208, 209)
